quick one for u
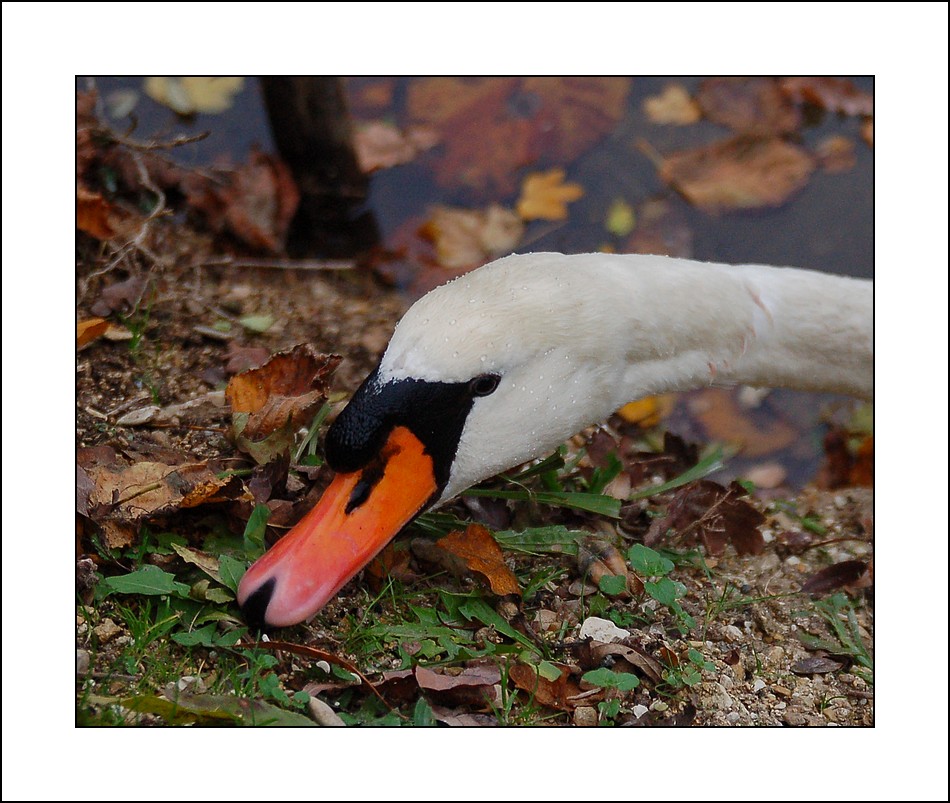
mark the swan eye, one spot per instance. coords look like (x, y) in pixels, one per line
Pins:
(484, 385)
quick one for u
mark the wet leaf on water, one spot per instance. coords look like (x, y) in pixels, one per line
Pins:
(748, 105)
(380, 144)
(673, 106)
(188, 95)
(484, 143)
(620, 218)
(545, 196)
(832, 94)
(466, 238)
(836, 154)
(726, 421)
(849, 574)
(739, 173)
(573, 112)
(482, 554)
(662, 228)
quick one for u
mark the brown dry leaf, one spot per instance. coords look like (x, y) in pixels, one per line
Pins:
(836, 154)
(89, 329)
(818, 665)
(724, 420)
(844, 465)
(192, 94)
(867, 132)
(831, 94)
(574, 112)
(560, 694)
(713, 514)
(482, 554)
(849, 574)
(597, 559)
(462, 720)
(255, 202)
(380, 145)
(93, 213)
(673, 106)
(545, 196)
(473, 685)
(284, 387)
(636, 657)
(739, 173)
(121, 296)
(127, 493)
(748, 105)
(466, 238)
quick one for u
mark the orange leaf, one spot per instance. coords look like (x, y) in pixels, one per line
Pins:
(648, 412)
(92, 214)
(466, 238)
(545, 196)
(89, 329)
(482, 554)
(725, 420)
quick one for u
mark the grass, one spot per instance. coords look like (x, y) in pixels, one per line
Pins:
(179, 619)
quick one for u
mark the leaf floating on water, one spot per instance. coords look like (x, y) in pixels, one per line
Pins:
(748, 105)
(832, 94)
(186, 96)
(545, 196)
(380, 144)
(673, 106)
(740, 173)
(465, 238)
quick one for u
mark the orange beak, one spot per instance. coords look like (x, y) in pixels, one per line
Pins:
(356, 517)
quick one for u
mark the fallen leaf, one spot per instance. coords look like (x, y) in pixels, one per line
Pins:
(867, 132)
(620, 218)
(122, 297)
(215, 709)
(467, 238)
(661, 228)
(90, 329)
(648, 412)
(724, 420)
(188, 95)
(92, 214)
(818, 665)
(481, 554)
(473, 685)
(255, 202)
(545, 196)
(755, 106)
(673, 106)
(560, 694)
(292, 377)
(573, 112)
(485, 144)
(844, 574)
(832, 94)
(846, 464)
(636, 657)
(707, 511)
(836, 154)
(740, 173)
(459, 719)
(380, 144)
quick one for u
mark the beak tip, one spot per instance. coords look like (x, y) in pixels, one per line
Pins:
(254, 606)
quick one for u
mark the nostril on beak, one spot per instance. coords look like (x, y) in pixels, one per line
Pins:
(255, 606)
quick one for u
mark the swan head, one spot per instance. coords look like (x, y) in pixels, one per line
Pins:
(481, 374)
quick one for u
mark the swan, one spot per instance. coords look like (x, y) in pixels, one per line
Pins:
(503, 364)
